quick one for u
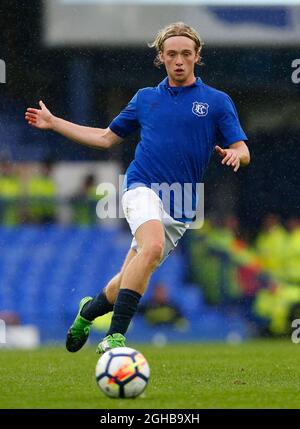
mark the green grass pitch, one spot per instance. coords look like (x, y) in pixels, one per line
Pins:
(259, 374)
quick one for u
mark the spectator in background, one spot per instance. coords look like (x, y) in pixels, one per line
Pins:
(84, 202)
(292, 254)
(10, 193)
(10, 318)
(222, 262)
(271, 246)
(159, 310)
(41, 196)
(247, 268)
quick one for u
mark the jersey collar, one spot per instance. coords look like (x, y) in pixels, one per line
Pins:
(197, 82)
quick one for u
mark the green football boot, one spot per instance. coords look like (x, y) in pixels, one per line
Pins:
(79, 331)
(110, 342)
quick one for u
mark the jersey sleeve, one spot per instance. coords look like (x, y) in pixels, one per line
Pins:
(229, 129)
(127, 120)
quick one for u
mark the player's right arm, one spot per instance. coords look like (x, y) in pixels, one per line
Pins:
(98, 138)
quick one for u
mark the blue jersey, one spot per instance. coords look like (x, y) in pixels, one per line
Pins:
(179, 127)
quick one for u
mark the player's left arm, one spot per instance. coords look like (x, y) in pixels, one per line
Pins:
(236, 155)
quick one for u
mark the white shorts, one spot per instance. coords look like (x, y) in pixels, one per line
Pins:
(142, 204)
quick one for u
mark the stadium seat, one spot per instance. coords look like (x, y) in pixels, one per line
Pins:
(45, 271)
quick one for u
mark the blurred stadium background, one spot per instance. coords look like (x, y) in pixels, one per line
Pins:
(236, 278)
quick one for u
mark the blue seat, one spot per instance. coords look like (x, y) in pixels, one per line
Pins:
(45, 271)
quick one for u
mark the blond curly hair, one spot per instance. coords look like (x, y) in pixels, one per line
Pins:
(176, 29)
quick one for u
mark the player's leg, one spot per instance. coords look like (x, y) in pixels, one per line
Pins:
(150, 237)
(104, 301)
(90, 308)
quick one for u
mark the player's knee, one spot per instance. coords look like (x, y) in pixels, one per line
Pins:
(153, 253)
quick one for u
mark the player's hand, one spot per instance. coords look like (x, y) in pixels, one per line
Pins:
(230, 157)
(39, 118)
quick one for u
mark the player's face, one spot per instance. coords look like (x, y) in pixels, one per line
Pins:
(179, 57)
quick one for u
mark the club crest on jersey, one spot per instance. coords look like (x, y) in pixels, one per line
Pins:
(199, 108)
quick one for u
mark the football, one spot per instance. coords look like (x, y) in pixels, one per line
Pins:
(122, 372)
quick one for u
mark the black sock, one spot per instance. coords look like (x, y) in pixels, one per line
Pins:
(124, 309)
(97, 307)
